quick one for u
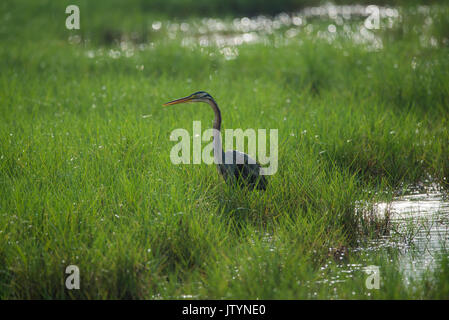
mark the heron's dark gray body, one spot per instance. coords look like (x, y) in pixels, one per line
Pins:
(243, 170)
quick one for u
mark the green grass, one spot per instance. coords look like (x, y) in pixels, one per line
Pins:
(86, 177)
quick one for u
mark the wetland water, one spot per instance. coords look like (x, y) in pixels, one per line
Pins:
(329, 23)
(419, 229)
(418, 234)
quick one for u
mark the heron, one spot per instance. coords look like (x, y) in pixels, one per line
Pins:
(234, 166)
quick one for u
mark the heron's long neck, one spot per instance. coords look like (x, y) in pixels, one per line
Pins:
(218, 150)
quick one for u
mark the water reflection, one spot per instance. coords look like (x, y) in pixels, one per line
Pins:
(419, 232)
(327, 22)
(285, 27)
(331, 23)
(419, 229)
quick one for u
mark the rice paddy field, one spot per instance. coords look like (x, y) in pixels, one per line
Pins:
(363, 150)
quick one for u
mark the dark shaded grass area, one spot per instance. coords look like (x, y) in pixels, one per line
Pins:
(199, 8)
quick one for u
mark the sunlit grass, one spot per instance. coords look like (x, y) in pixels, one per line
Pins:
(86, 177)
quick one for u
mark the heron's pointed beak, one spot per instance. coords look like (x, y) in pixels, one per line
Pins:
(181, 100)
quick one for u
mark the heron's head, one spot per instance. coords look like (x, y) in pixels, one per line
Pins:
(199, 96)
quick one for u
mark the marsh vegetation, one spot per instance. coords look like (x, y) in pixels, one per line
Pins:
(86, 177)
